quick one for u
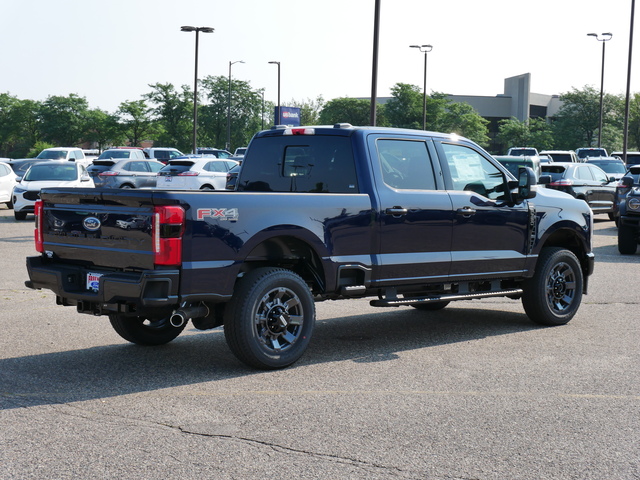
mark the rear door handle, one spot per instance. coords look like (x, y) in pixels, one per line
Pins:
(396, 211)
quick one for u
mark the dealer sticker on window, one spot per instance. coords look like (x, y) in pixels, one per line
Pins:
(93, 281)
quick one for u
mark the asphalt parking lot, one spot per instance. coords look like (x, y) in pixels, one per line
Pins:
(475, 391)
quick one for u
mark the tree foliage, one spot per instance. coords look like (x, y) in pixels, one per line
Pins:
(173, 113)
(535, 132)
(136, 122)
(63, 119)
(355, 111)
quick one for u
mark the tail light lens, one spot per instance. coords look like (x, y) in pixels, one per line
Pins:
(561, 183)
(168, 228)
(38, 234)
(109, 173)
(189, 173)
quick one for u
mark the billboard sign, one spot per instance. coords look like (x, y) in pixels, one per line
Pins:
(287, 116)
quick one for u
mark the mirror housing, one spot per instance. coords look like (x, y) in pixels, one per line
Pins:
(525, 185)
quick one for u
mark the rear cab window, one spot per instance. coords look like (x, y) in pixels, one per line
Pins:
(299, 163)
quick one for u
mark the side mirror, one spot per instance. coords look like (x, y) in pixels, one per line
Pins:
(626, 182)
(544, 179)
(526, 181)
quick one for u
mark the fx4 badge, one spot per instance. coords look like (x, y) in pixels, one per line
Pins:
(218, 213)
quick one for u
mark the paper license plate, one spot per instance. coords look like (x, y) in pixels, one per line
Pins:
(93, 281)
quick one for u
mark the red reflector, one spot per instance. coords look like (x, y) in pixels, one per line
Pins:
(168, 228)
(38, 234)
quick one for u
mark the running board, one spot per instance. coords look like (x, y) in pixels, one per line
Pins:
(397, 302)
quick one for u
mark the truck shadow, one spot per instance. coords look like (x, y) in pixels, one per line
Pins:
(122, 369)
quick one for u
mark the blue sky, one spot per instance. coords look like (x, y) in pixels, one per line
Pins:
(110, 51)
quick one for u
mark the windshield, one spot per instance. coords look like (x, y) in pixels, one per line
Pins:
(53, 154)
(61, 173)
(611, 167)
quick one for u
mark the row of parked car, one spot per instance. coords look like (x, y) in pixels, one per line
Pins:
(589, 174)
(21, 180)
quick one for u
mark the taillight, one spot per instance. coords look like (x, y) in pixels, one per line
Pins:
(109, 173)
(299, 131)
(189, 173)
(168, 228)
(561, 183)
(38, 234)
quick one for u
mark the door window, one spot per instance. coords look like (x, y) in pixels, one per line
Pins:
(470, 171)
(406, 164)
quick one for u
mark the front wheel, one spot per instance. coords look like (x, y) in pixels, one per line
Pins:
(142, 331)
(553, 295)
(269, 321)
(19, 215)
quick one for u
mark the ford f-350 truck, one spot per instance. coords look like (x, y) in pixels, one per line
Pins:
(320, 213)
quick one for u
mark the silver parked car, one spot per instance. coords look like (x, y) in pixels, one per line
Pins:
(124, 173)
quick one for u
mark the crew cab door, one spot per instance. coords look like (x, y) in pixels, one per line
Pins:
(490, 238)
(414, 211)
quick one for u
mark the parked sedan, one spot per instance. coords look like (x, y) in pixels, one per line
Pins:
(46, 174)
(584, 181)
(125, 173)
(7, 182)
(195, 173)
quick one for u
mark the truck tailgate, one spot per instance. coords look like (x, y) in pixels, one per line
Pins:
(110, 228)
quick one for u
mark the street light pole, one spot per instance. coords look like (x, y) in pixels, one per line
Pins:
(229, 106)
(195, 81)
(278, 120)
(605, 38)
(425, 49)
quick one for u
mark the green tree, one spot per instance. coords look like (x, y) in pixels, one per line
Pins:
(356, 111)
(246, 112)
(103, 129)
(633, 140)
(174, 114)
(459, 118)
(534, 132)
(63, 120)
(404, 109)
(309, 110)
(136, 122)
(576, 124)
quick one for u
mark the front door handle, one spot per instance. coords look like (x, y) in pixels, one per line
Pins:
(396, 211)
(466, 211)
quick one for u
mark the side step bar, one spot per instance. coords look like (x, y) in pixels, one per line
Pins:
(397, 302)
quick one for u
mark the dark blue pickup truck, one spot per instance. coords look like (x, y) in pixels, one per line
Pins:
(320, 213)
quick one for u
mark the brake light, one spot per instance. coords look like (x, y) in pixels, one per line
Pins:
(109, 173)
(561, 183)
(168, 228)
(189, 173)
(38, 233)
(299, 131)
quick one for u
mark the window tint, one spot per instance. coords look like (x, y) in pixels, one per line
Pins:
(583, 173)
(216, 167)
(599, 175)
(471, 171)
(305, 163)
(406, 164)
(138, 167)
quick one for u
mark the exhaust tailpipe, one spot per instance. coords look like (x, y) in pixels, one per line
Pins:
(182, 315)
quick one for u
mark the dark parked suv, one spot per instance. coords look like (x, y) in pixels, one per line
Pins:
(629, 212)
(124, 173)
(584, 181)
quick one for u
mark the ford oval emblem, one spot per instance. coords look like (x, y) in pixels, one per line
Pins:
(91, 223)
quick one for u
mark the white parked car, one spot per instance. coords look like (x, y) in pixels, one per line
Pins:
(7, 182)
(195, 173)
(67, 154)
(43, 175)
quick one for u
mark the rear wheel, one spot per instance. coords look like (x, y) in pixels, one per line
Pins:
(553, 295)
(269, 322)
(627, 240)
(142, 331)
